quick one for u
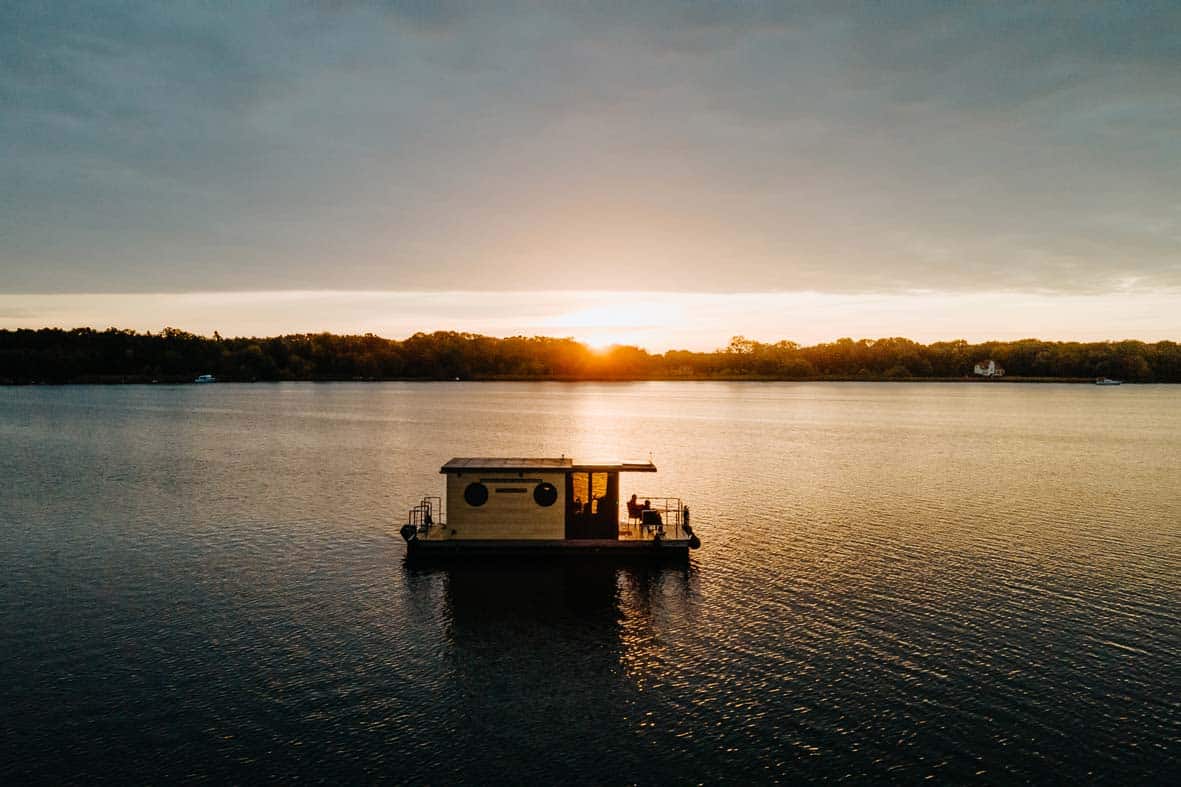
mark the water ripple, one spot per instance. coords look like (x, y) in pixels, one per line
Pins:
(898, 583)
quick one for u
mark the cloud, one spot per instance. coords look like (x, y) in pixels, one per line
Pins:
(694, 146)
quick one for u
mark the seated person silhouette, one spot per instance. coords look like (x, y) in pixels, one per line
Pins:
(648, 516)
(634, 509)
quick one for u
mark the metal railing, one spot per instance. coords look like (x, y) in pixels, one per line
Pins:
(663, 515)
(427, 514)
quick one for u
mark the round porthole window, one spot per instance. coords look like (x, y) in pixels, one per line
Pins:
(475, 494)
(545, 493)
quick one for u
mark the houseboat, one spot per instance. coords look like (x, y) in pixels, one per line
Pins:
(205, 378)
(1107, 381)
(533, 506)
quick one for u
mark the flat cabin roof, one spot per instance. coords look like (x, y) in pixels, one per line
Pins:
(534, 464)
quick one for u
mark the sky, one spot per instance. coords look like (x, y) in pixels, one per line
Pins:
(663, 173)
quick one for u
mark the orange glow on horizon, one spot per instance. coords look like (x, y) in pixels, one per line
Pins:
(629, 319)
(655, 321)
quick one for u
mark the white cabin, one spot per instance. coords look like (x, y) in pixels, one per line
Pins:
(989, 368)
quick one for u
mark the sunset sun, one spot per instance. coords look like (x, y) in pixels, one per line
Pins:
(631, 318)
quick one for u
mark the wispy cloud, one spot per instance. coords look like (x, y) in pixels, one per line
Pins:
(701, 146)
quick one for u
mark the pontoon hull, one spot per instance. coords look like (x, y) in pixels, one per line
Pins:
(417, 548)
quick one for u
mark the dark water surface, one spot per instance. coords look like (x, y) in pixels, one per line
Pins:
(975, 583)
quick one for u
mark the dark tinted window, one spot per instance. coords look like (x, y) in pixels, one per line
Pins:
(545, 493)
(476, 494)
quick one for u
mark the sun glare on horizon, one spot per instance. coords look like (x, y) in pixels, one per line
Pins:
(632, 320)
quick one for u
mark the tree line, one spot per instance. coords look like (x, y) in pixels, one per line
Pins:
(52, 355)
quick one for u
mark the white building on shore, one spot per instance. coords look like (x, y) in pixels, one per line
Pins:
(989, 368)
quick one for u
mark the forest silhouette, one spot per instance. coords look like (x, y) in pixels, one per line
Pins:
(52, 355)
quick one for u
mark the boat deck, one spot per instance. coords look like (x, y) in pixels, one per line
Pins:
(658, 528)
(450, 547)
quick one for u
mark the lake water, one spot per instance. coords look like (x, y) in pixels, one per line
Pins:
(898, 581)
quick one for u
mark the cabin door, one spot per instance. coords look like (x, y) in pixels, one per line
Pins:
(592, 505)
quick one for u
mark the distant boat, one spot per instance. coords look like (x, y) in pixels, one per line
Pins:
(206, 378)
(1107, 381)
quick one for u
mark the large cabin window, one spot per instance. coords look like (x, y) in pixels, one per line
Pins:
(592, 505)
(581, 491)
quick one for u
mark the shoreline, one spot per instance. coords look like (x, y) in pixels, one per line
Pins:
(129, 380)
(86, 356)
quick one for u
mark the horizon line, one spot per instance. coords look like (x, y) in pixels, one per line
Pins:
(1045, 292)
(555, 337)
(655, 320)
